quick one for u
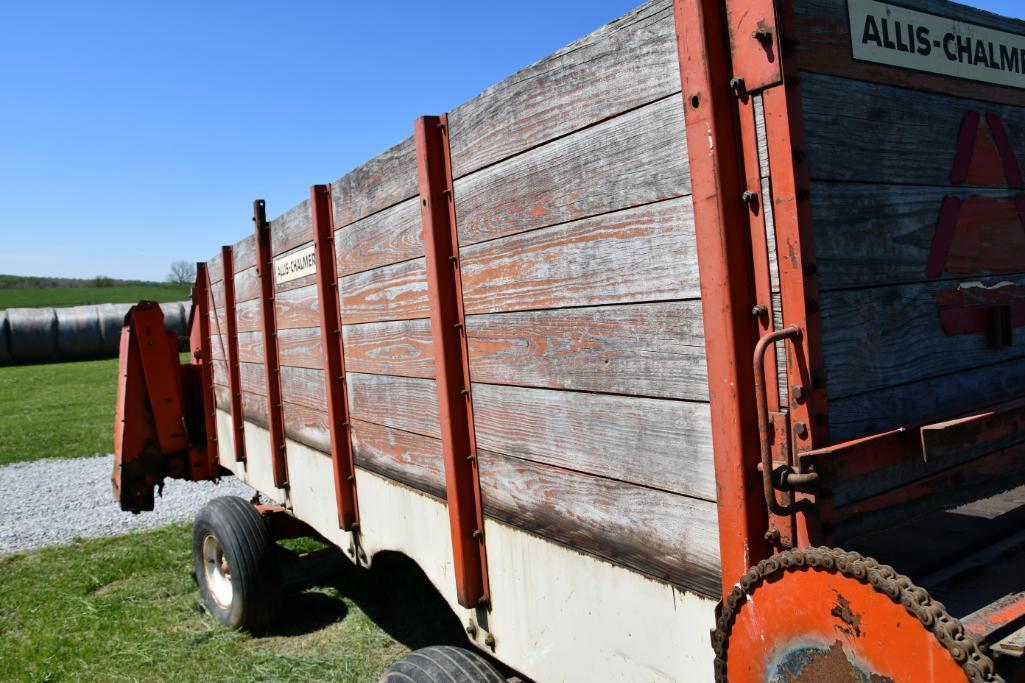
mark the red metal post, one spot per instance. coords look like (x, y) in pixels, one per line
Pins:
(727, 279)
(231, 350)
(265, 271)
(455, 406)
(201, 300)
(334, 357)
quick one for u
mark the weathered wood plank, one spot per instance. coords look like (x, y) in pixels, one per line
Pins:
(291, 229)
(824, 46)
(215, 268)
(254, 408)
(244, 253)
(385, 180)
(645, 253)
(879, 135)
(868, 234)
(633, 159)
(670, 537)
(297, 347)
(297, 308)
(247, 285)
(396, 292)
(926, 401)
(655, 350)
(402, 347)
(651, 442)
(623, 65)
(220, 372)
(303, 387)
(383, 238)
(307, 425)
(247, 316)
(253, 378)
(222, 398)
(412, 459)
(886, 336)
(406, 403)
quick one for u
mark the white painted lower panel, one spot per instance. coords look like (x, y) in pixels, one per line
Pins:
(557, 614)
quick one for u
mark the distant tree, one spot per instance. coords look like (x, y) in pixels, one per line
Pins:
(103, 281)
(182, 273)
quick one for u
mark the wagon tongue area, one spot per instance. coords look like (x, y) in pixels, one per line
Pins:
(161, 424)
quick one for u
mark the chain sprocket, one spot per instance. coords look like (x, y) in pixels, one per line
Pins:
(977, 666)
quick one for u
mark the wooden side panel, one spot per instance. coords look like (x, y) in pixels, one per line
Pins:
(383, 238)
(653, 349)
(623, 65)
(671, 537)
(919, 216)
(384, 181)
(652, 442)
(400, 347)
(634, 159)
(414, 459)
(395, 292)
(405, 403)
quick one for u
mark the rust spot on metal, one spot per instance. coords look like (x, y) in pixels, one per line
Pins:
(831, 665)
(851, 619)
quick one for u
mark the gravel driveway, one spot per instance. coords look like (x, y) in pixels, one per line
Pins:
(50, 502)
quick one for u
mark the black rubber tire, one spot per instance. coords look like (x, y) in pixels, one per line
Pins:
(442, 664)
(251, 555)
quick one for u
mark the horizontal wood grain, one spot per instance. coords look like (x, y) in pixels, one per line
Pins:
(411, 459)
(215, 268)
(244, 253)
(887, 336)
(307, 425)
(623, 65)
(387, 179)
(926, 401)
(824, 45)
(247, 285)
(254, 408)
(406, 403)
(383, 238)
(297, 308)
(880, 134)
(653, 350)
(867, 234)
(402, 347)
(633, 159)
(645, 253)
(653, 442)
(299, 348)
(247, 317)
(670, 537)
(219, 368)
(291, 229)
(396, 292)
(222, 398)
(253, 378)
(304, 387)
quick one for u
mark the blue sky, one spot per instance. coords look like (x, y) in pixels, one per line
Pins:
(135, 134)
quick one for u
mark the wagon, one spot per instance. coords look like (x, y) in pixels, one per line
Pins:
(690, 352)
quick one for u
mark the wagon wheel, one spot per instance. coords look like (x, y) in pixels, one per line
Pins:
(822, 614)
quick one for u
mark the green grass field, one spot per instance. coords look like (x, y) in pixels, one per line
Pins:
(127, 609)
(59, 410)
(78, 296)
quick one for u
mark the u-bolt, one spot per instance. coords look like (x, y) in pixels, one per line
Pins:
(765, 425)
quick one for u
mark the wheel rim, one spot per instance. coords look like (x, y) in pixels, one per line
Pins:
(216, 571)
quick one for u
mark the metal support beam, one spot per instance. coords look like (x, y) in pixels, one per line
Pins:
(334, 357)
(231, 351)
(275, 416)
(203, 305)
(727, 278)
(451, 362)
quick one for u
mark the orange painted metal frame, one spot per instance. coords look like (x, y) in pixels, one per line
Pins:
(231, 350)
(452, 368)
(275, 416)
(202, 305)
(334, 357)
(727, 279)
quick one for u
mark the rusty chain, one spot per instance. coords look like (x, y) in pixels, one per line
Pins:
(978, 667)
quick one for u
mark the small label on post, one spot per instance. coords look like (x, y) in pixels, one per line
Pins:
(896, 36)
(295, 265)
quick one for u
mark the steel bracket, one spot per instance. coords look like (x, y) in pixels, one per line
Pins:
(754, 43)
